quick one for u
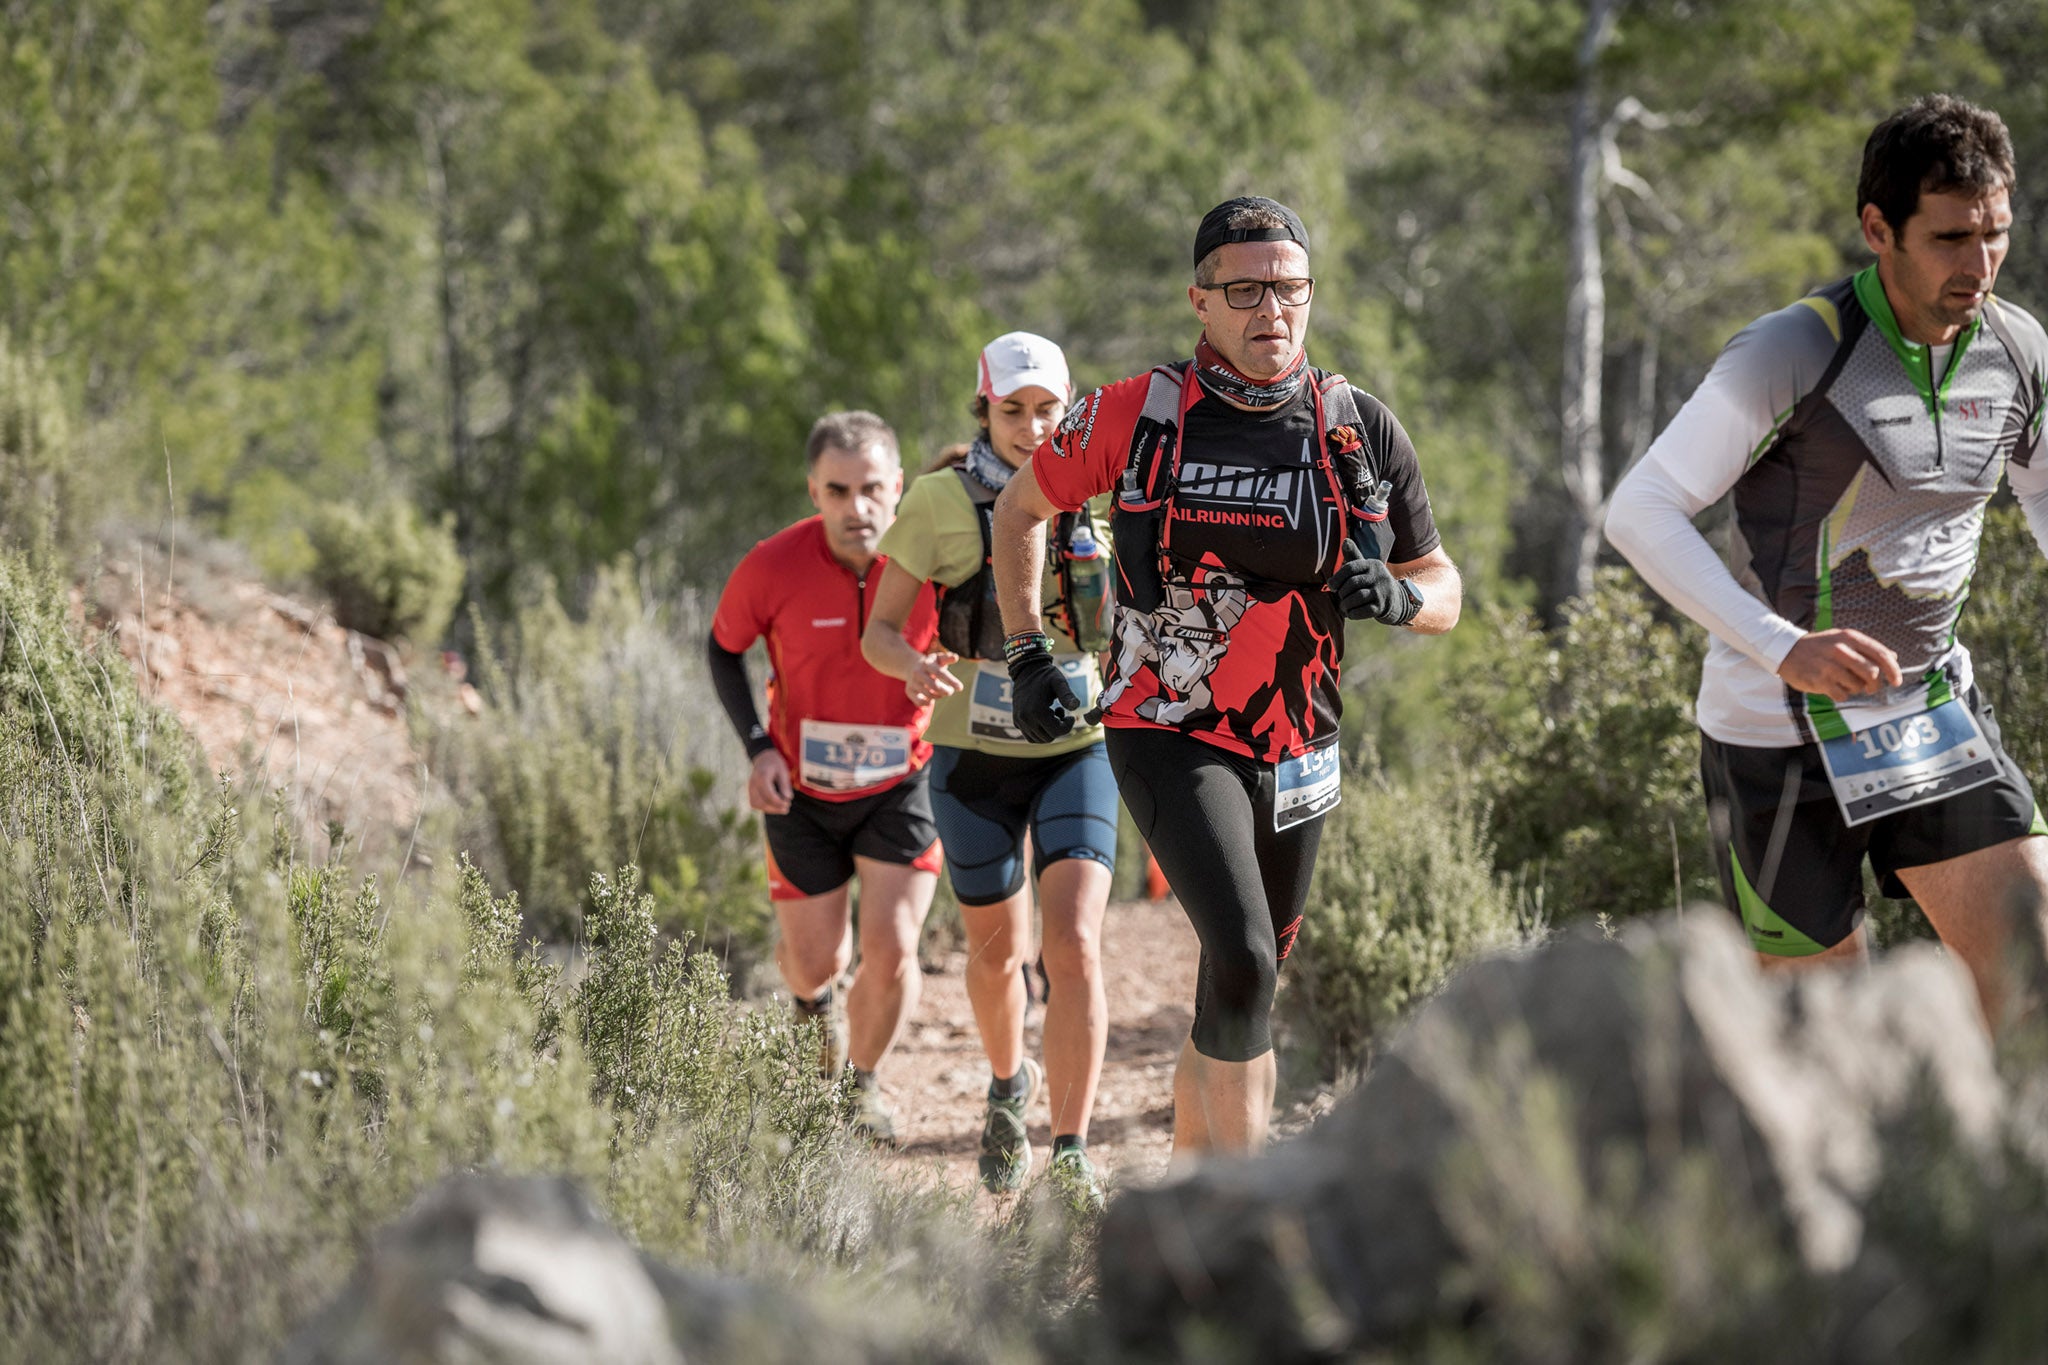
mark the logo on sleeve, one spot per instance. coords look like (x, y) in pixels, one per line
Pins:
(1080, 418)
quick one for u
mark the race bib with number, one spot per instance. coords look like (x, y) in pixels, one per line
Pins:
(838, 757)
(1306, 787)
(989, 713)
(1908, 762)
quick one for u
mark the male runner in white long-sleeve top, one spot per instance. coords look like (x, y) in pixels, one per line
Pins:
(1861, 431)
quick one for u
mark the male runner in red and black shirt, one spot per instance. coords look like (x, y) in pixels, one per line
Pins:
(1260, 502)
(839, 770)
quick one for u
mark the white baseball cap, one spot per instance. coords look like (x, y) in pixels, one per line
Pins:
(1018, 360)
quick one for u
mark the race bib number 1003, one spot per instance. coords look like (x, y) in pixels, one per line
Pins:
(844, 758)
(1908, 762)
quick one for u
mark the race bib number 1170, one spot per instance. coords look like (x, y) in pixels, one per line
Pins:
(844, 758)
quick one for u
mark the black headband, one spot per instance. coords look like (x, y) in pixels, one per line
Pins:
(1216, 231)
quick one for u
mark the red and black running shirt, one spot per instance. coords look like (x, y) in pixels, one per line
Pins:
(812, 609)
(1245, 651)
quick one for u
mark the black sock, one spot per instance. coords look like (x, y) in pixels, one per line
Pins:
(1012, 1089)
(1069, 1142)
(814, 1007)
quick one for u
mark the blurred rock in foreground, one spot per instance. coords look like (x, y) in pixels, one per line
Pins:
(499, 1270)
(1546, 1101)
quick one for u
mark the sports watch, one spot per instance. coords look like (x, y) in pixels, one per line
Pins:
(1414, 599)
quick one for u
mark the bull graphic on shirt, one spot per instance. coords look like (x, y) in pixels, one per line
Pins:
(1182, 642)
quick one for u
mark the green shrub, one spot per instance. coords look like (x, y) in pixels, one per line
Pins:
(1405, 892)
(1584, 741)
(390, 572)
(77, 747)
(596, 753)
(40, 513)
(2004, 627)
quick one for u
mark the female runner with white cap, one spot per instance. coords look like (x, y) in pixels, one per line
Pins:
(1004, 805)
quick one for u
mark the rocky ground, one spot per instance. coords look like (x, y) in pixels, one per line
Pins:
(276, 694)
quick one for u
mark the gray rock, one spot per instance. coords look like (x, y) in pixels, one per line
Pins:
(1558, 1085)
(500, 1270)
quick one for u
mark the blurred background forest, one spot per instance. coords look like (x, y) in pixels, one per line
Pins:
(575, 275)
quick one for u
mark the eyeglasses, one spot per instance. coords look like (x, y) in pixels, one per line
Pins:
(1247, 293)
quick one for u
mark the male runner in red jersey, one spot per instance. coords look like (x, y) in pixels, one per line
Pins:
(1260, 503)
(839, 769)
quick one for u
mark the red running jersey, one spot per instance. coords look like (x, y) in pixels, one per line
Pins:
(1245, 651)
(844, 729)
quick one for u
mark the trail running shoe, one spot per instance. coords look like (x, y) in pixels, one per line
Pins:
(1005, 1145)
(1074, 1174)
(871, 1119)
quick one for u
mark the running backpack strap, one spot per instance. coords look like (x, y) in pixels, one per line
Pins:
(970, 624)
(2032, 367)
(1350, 466)
(1344, 442)
(1340, 405)
(1148, 468)
(1137, 515)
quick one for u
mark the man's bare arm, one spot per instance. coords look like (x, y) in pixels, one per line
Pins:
(1443, 590)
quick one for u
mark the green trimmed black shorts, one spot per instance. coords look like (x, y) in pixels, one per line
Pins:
(1793, 871)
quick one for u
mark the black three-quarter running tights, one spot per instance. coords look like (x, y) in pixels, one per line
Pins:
(1208, 815)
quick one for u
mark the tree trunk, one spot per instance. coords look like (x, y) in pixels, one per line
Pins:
(454, 368)
(1585, 311)
(1643, 424)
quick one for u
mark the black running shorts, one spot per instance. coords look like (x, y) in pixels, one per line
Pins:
(1793, 871)
(811, 848)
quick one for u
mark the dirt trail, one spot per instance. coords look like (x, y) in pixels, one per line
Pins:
(936, 1077)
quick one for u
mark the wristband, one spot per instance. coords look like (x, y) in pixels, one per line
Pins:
(1025, 642)
(758, 743)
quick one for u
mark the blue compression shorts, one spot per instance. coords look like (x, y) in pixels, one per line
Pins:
(984, 803)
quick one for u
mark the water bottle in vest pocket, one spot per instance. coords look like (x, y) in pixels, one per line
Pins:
(1085, 589)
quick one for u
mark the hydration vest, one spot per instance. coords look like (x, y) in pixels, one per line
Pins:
(1141, 519)
(971, 622)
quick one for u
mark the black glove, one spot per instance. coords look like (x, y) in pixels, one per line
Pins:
(1368, 591)
(1041, 701)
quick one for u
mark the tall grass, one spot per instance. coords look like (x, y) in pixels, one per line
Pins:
(604, 746)
(227, 1063)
